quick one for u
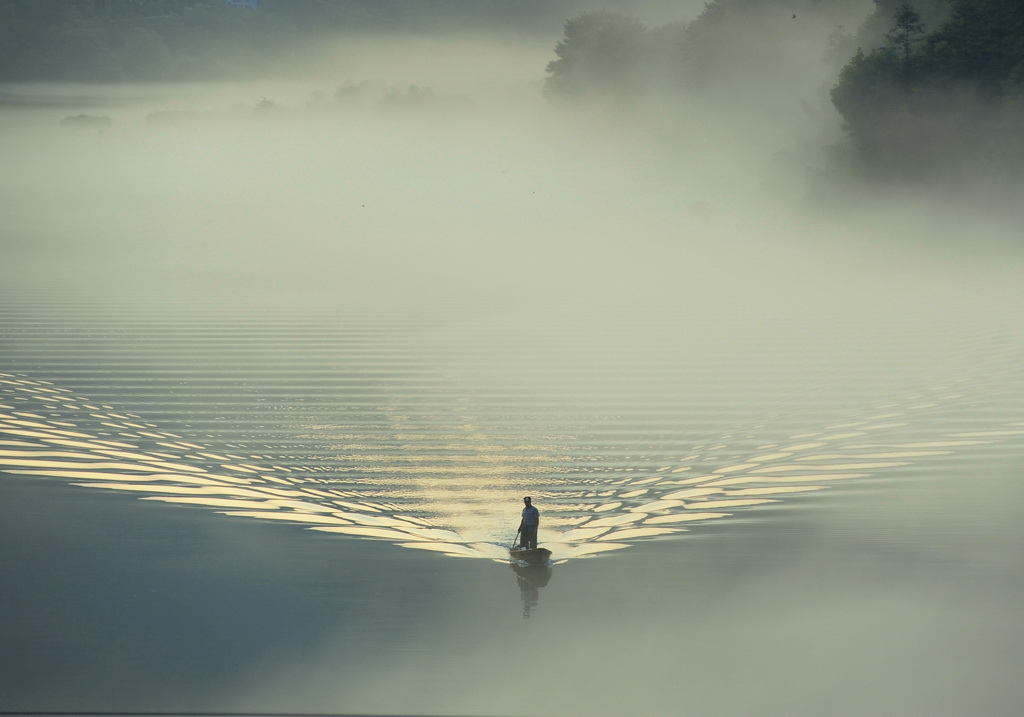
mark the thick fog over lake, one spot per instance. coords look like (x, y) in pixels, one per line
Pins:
(281, 357)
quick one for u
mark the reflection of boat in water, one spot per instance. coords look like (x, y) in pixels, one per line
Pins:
(531, 556)
(531, 578)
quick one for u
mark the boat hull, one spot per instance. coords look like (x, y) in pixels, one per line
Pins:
(534, 556)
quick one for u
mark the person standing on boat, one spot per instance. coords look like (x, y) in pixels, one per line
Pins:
(528, 526)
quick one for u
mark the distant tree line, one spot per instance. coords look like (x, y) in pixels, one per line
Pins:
(158, 40)
(927, 90)
(154, 40)
(940, 103)
(134, 40)
(741, 41)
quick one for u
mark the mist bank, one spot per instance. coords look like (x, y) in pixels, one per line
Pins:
(866, 95)
(932, 98)
(417, 170)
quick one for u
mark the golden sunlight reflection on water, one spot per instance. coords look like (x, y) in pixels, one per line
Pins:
(451, 493)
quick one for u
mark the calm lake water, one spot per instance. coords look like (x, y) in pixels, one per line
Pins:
(778, 462)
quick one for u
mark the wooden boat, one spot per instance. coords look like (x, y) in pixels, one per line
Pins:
(533, 556)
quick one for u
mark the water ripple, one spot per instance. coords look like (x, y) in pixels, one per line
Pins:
(440, 481)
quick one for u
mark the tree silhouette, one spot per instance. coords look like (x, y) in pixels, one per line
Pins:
(602, 51)
(946, 105)
(907, 31)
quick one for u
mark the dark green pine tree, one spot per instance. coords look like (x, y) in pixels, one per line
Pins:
(907, 31)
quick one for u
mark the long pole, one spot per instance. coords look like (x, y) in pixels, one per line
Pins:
(515, 539)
